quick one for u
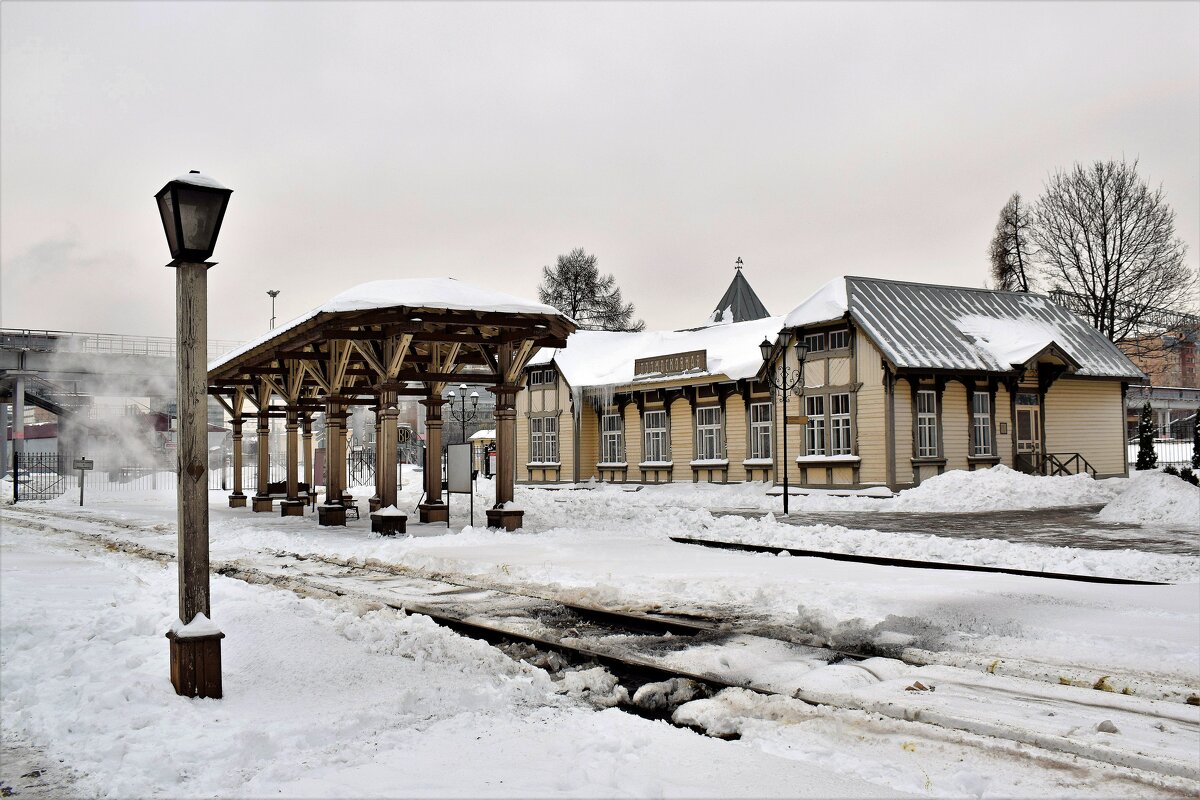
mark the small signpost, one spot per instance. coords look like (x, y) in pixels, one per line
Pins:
(83, 465)
(458, 474)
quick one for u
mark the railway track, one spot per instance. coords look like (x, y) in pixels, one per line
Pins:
(696, 657)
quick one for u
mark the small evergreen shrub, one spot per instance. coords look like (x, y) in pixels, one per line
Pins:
(1196, 440)
(1146, 457)
(1170, 470)
(1189, 476)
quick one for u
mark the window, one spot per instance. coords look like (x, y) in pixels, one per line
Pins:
(839, 425)
(535, 440)
(981, 424)
(654, 424)
(815, 342)
(814, 430)
(612, 439)
(543, 440)
(708, 432)
(550, 432)
(839, 340)
(760, 430)
(541, 377)
(927, 437)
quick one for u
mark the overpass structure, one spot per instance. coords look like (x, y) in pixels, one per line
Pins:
(64, 372)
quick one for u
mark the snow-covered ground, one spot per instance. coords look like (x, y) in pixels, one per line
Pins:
(326, 698)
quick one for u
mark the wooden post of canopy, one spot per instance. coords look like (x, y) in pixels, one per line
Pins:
(386, 446)
(262, 496)
(343, 455)
(374, 501)
(433, 509)
(503, 515)
(307, 445)
(237, 498)
(293, 506)
(332, 512)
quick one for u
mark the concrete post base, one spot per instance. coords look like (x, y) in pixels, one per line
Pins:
(388, 525)
(259, 504)
(237, 501)
(434, 512)
(508, 519)
(291, 508)
(334, 514)
(196, 665)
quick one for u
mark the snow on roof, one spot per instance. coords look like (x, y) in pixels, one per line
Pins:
(824, 305)
(480, 435)
(432, 293)
(925, 326)
(606, 358)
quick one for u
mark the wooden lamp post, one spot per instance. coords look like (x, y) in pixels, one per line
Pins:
(192, 207)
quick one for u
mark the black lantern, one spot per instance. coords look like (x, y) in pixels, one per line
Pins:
(801, 349)
(765, 348)
(192, 207)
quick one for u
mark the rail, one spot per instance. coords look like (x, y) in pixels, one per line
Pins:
(100, 343)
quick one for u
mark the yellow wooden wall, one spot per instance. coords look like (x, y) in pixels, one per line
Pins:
(1003, 413)
(1087, 417)
(903, 427)
(681, 440)
(735, 436)
(956, 426)
(633, 440)
(871, 417)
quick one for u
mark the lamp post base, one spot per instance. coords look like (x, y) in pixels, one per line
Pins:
(508, 519)
(196, 665)
(434, 512)
(237, 500)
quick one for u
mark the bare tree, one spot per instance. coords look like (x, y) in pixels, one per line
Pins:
(1011, 251)
(1108, 248)
(575, 287)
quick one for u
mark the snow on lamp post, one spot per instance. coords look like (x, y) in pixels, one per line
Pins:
(192, 208)
(786, 381)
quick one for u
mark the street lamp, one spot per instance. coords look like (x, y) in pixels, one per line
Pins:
(786, 381)
(461, 415)
(192, 208)
(274, 293)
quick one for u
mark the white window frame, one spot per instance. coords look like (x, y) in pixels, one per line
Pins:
(708, 433)
(612, 439)
(840, 442)
(814, 429)
(760, 430)
(535, 440)
(815, 342)
(927, 424)
(981, 424)
(844, 333)
(550, 434)
(654, 436)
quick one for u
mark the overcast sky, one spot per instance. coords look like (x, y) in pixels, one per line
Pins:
(388, 140)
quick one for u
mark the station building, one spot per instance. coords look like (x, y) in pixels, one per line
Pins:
(901, 381)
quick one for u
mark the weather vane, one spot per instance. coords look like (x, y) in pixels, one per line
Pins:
(738, 264)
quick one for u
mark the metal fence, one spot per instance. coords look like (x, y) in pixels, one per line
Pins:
(1177, 453)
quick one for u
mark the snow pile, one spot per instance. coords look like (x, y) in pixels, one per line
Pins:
(1155, 498)
(997, 489)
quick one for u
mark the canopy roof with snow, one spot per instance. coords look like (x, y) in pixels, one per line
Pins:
(603, 358)
(408, 336)
(925, 326)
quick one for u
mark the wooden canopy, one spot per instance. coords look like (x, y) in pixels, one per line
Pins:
(335, 358)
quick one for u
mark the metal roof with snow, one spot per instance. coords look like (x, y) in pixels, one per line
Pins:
(925, 326)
